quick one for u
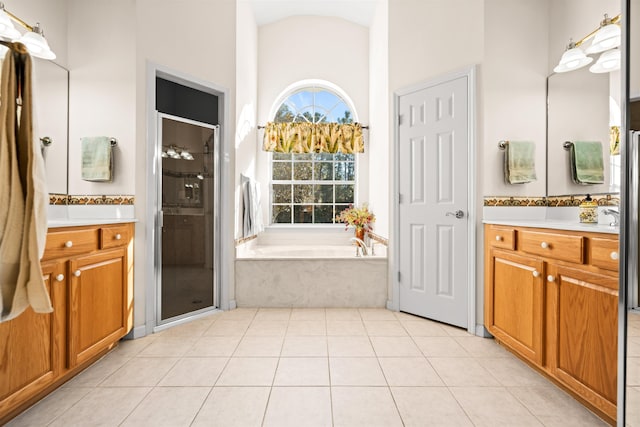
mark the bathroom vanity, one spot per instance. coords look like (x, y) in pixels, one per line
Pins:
(551, 297)
(88, 271)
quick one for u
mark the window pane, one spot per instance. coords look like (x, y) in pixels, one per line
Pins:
(344, 157)
(282, 171)
(281, 193)
(303, 193)
(323, 194)
(281, 156)
(303, 214)
(303, 156)
(324, 171)
(345, 171)
(302, 171)
(323, 214)
(323, 156)
(344, 193)
(281, 214)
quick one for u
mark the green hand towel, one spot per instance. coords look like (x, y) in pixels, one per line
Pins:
(97, 160)
(520, 167)
(587, 164)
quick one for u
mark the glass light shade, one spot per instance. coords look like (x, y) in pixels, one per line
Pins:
(185, 154)
(607, 37)
(7, 30)
(572, 59)
(171, 152)
(175, 156)
(164, 155)
(200, 176)
(36, 44)
(608, 61)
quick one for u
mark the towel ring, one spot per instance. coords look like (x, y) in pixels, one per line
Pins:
(113, 141)
(502, 145)
(567, 145)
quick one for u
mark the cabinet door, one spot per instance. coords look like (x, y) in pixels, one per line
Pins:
(585, 331)
(514, 302)
(97, 295)
(31, 346)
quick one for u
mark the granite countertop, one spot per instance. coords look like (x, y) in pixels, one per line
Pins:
(556, 224)
(76, 222)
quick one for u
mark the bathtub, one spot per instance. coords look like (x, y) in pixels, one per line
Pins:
(310, 276)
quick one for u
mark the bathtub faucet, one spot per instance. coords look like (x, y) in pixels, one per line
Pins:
(362, 245)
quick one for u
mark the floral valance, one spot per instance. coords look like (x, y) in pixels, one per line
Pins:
(313, 138)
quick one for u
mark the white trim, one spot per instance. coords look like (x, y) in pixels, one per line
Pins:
(224, 233)
(470, 73)
(183, 320)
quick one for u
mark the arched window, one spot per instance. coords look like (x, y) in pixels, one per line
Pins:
(312, 188)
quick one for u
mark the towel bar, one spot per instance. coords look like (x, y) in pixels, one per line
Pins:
(503, 145)
(46, 141)
(113, 141)
(567, 145)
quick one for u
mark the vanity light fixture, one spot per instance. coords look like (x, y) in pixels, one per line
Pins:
(608, 36)
(572, 59)
(605, 37)
(33, 39)
(608, 61)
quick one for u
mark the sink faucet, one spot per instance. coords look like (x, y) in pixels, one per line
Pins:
(362, 245)
(615, 214)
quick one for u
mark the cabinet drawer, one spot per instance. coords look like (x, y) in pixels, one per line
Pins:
(501, 237)
(563, 247)
(113, 237)
(63, 243)
(604, 253)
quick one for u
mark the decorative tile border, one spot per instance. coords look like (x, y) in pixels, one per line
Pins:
(604, 199)
(515, 201)
(58, 199)
(61, 199)
(576, 199)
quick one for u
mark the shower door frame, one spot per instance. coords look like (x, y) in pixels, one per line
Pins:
(215, 150)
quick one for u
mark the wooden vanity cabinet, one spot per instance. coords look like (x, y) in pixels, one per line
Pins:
(552, 299)
(89, 275)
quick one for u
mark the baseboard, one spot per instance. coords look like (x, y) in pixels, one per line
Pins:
(481, 331)
(232, 304)
(391, 306)
(137, 332)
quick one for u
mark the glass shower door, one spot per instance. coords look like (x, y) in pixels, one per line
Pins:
(187, 280)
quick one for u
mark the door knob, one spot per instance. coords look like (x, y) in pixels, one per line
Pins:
(77, 273)
(60, 277)
(536, 273)
(118, 236)
(614, 255)
(458, 214)
(551, 278)
(68, 244)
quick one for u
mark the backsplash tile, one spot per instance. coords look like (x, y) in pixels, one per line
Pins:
(552, 201)
(62, 199)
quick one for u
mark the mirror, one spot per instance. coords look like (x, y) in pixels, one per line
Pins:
(51, 120)
(577, 110)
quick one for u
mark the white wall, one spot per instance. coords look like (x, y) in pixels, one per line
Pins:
(246, 104)
(514, 72)
(102, 88)
(379, 98)
(194, 38)
(312, 47)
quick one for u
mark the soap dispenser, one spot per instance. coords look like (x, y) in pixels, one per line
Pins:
(588, 211)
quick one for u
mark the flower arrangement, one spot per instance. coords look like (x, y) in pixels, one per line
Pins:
(361, 218)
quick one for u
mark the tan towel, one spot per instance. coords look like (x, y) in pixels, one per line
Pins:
(22, 283)
(97, 159)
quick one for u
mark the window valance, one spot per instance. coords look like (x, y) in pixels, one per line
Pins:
(306, 137)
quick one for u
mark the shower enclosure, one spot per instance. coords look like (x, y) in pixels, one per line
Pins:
(186, 244)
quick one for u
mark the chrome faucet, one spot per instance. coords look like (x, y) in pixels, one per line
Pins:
(361, 244)
(615, 214)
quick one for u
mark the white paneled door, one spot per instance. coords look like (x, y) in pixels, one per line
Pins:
(433, 211)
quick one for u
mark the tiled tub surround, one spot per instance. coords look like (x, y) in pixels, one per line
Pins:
(310, 276)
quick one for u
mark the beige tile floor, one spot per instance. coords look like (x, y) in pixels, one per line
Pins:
(309, 367)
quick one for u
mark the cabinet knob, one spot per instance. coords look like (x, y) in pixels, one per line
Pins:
(614, 255)
(77, 273)
(499, 238)
(544, 245)
(60, 277)
(68, 244)
(536, 273)
(118, 236)
(551, 278)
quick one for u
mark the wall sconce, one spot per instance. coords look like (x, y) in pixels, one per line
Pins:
(33, 39)
(175, 152)
(606, 37)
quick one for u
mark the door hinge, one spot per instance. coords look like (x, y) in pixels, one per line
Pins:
(398, 276)
(399, 119)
